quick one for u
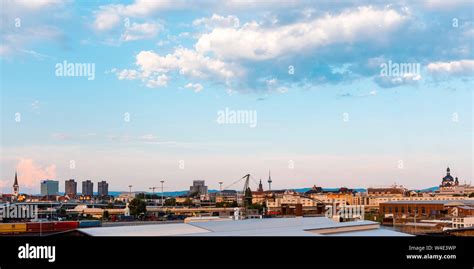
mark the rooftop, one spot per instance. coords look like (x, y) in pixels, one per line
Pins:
(311, 226)
(443, 202)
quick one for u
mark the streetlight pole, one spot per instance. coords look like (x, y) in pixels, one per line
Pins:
(162, 202)
(152, 192)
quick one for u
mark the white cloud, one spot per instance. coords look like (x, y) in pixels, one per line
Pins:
(195, 87)
(402, 79)
(461, 68)
(158, 81)
(187, 62)
(128, 74)
(138, 31)
(256, 42)
(37, 4)
(15, 41)
(25, 23)
(152, 67)
(217, 21)
(109, 16)
(273, 85)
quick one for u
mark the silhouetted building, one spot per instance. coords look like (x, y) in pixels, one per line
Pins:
(16, 187)
(70, 187)
(269, 181)
(87, 188)
(448, 180)
(103, 188)
(198, 188)
(260, 186)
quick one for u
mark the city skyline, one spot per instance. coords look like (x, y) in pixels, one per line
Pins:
(266, 182)
(351, 94)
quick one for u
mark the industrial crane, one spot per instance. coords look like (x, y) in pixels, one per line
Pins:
(246, 186)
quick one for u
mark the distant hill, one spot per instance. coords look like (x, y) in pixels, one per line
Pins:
(328, 189)
(178, 193)
(432, 189)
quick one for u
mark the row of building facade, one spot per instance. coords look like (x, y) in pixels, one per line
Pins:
(51, 187)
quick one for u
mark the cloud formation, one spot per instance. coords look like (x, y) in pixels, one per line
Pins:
(457, 68)
(153, 68)
(31, 173)
(331, 44)
(195, 87)
(110, 16)
(256, 42)
(138, 31)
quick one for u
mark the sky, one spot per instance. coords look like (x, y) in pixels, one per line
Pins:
(325, 93)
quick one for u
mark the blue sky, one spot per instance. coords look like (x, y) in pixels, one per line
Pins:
(171, 67)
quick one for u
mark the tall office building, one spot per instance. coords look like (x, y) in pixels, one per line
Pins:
(87, 188)
(70, 187)
(103, 188)
(198, 188)
(49, 187)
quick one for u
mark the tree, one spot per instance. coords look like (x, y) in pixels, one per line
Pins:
(188, 202)
(61, 212)
(247, 198)
(170, 202)
(141, 195)
(106, 215)
(259, 207)
(227, 204)
(137, 207)
(471, 195)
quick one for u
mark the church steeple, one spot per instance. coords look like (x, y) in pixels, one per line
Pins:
(260, 186)
(16, 187)
(448, 171)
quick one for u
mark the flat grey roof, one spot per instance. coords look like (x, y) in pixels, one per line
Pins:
(377, 232)
(144, 230)
(249, 227)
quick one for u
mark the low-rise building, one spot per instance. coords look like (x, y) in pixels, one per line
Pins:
(464, 222)
(423, 209)
(226, 196)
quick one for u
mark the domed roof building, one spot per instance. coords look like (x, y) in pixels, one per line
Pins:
(448, 180)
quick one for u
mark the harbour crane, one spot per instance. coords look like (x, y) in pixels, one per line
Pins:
(244, 189)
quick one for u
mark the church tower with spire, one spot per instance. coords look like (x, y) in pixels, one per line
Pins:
(260, 186)
(16, 187)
